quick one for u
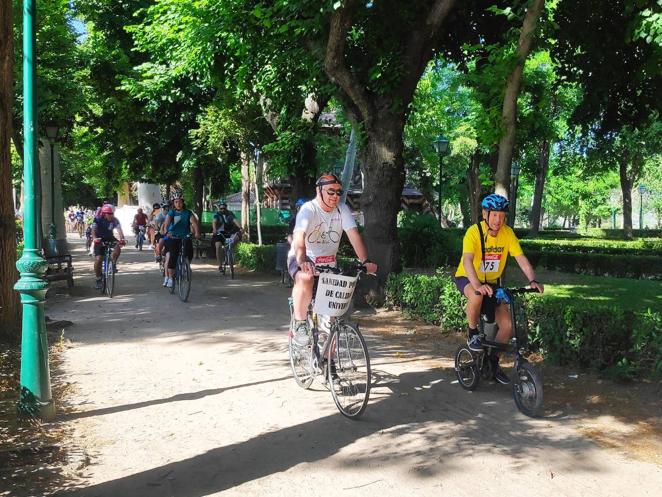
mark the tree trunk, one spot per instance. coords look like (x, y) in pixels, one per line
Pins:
(626, 189)
(475, 187)
(258, 184)
(380, 201)
(245, 195)
(541, 176)
(509, 109)
(198, 187)
(9, 302)
(465, 206)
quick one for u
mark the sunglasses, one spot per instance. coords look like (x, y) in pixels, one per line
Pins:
(333, 193)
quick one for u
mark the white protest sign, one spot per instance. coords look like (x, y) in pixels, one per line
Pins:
(334, 294)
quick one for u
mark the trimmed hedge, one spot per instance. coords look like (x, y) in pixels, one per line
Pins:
(425, 244)
(620, 342)
(620, 266)
(257, 257)
(644, 246)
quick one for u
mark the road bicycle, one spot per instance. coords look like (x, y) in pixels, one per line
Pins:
(182, 277)
(140, 237)
(337, 352)
(108, 269)
(472, 366)
(228, 255)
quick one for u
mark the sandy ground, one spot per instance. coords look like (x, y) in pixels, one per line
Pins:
(196, 399)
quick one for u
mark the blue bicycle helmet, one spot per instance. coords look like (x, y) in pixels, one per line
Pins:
(494, 202)
(300, 202)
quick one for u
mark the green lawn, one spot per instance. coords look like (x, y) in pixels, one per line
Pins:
(621, 292)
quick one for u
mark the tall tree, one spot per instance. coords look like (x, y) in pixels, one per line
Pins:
(9, 306)
(613, 52)
(512, 89)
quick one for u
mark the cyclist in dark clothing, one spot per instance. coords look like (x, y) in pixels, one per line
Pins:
(225, 227)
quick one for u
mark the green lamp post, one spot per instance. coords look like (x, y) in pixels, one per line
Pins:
(441, 146)
(35, 396)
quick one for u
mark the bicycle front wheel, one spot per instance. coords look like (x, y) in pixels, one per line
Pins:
(110, 278)
(349, 371)
(527, 390)
(184, 280)
(231, 262)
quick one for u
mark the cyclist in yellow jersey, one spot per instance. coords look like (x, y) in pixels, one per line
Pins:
(481, 268)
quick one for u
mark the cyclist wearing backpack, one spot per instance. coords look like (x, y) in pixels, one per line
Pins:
(485, 250)
(225, 227)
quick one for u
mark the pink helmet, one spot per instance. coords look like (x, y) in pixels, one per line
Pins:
(106, 209)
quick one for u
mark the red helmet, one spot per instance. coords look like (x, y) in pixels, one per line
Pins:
(107, 209)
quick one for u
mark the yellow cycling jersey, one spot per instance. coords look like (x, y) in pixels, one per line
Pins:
(497, 250)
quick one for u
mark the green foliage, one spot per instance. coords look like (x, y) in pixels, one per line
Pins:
(581, 333)
(601, 337)
(257, 257)
(651, 246)
(432, 298)
(424, 243)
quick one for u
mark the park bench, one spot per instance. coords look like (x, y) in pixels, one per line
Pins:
(60, 266)
(203, 247)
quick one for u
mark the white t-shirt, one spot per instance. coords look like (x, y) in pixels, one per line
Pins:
(323, 230)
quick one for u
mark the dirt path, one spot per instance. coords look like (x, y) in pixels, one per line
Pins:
(196, 399)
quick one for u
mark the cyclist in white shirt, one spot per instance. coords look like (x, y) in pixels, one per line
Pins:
(316, 238)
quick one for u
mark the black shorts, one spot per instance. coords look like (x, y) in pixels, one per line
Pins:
(221, 237)
(100, 248)
(173, 245)
(157, 237)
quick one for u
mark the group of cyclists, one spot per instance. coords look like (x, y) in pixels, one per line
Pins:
(77, 219)
(315, 235)
(165, 226)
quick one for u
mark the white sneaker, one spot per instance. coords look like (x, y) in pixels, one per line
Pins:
(169, 283)
(165, 281)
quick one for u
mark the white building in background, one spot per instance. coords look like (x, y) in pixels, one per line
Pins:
(131, 197)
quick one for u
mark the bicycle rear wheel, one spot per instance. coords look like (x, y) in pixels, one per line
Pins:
(110, 278)
(184, 279)
(350, 379)
(300, 362)
(466, 368)
(528, 391)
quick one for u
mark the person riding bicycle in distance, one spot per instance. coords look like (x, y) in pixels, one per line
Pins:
(225, 227)
(316, 238)
(481, 267)
(102, 231)
(177, 225)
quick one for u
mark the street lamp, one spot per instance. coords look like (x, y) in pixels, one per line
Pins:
(51, 133)
(514, 176)
(441, 146)
(641, 189)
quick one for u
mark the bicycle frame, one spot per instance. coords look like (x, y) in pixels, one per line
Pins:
(518, 347)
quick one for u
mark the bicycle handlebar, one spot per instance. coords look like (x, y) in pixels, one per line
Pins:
(515, 290)
(353, 269)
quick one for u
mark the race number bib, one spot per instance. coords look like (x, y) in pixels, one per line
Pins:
(491, 263)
